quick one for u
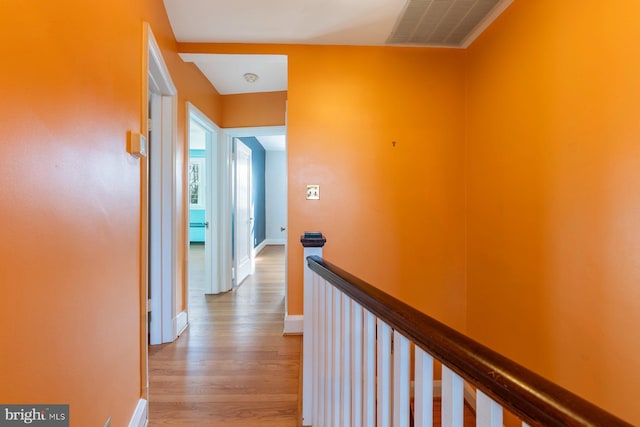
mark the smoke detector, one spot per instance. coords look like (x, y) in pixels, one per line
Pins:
(250, 77)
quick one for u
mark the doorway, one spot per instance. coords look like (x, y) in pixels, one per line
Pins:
(160, 188)
(268, 200)
(205, 246)
(158, 223)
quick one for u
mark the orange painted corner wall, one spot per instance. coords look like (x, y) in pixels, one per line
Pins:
(70, 206)
(553, 200)
(254, 109)
(393, 215)
(381, 130)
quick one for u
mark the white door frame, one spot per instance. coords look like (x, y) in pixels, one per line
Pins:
(214, 245)
(162, 240)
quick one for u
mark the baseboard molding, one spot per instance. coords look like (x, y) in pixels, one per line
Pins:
(139, 418)
(276, 241)
(267, 242)
(293, 325)
(259, 248)
(182, 321)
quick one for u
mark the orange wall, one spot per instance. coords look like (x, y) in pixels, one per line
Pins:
(393, 216)
(254, 109)
(70, 242)
(192, 87)
(554, 206)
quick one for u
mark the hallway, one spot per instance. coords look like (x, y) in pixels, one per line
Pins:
(232, 367)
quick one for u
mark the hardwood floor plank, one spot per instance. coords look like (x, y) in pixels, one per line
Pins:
(232, 367)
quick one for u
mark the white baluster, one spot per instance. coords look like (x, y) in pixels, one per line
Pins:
(488, 412)
(401, 384)
(328, 385)
(345, 394)
(356, 364)
(308, 333)
(384, 375)
(322, 353)
(423, 390)
(337, 356)
(452, 399)
(318, 350)
(307, 346)
(369, 374)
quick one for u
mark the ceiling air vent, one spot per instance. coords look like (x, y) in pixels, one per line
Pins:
(453, 23)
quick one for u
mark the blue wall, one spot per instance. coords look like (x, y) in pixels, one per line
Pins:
(196, 216)
(258, 159)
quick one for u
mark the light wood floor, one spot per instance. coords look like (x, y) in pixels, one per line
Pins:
(232, 367)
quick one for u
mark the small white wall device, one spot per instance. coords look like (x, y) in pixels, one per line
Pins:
(136, 144)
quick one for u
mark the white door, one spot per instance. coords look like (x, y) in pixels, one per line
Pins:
(243, 213)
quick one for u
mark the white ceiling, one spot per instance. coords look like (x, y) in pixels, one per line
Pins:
(227, 71)
(273, 142)
(441, 23)
(360, 22)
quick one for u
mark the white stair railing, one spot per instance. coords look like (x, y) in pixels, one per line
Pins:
(358, 346)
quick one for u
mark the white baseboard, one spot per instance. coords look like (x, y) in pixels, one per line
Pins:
(139, 418)
(276, 241)
(259, 248)
(182, 320)
(293, 325)
(267, 242)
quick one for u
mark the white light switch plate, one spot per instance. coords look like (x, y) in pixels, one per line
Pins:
(313, 192)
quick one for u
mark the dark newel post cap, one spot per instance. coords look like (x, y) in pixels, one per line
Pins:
(312, 239)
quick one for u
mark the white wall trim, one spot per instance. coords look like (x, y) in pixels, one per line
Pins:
(259, 248)
(293, 324)
(214, 248)
(268, 242)
(182, 321)
(139, 418)
(163, 203)
(275, 241)
(226, 272)
(257, 131)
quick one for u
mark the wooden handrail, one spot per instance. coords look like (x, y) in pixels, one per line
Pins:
(534, 399)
